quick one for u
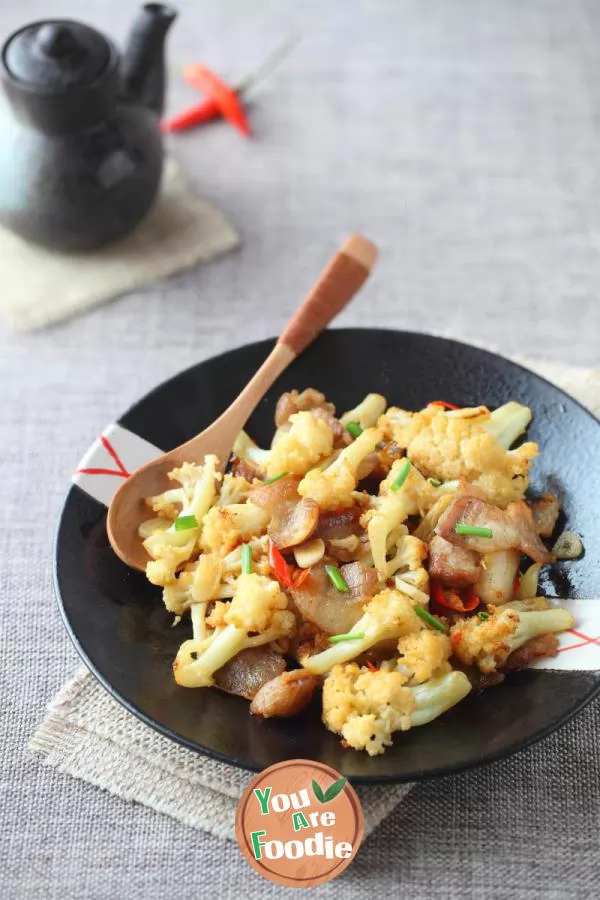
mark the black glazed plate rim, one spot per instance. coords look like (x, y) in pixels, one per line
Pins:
(230, 758)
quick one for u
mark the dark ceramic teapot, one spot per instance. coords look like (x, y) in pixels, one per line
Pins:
(80, 144)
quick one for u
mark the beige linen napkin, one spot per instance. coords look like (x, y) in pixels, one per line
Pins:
(40, 287)
(88, 735)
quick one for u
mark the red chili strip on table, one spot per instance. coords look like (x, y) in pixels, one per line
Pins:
(230, 106)
(194, 115)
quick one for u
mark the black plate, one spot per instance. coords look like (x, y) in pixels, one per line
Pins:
(118, 624)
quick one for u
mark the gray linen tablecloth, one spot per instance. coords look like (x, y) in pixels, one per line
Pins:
(464, 138)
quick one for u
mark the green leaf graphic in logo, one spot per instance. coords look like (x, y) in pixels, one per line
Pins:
(317, 791)
(334, 789)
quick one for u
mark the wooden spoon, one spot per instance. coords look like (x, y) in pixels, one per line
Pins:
(336, 286)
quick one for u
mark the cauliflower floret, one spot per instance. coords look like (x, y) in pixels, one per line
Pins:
(198, 584)
(234, 489)
(304, 445)
(389, 614)
(366, 707)
(177, 595)
(414, 584)
(224, 527)
(245, 448)
(367, 412)
(527, 604)
(487, 643)
(169, 551)
(332, 488)
(196, 491)
(168, 504)
(151, 526)
(257, 615)
(256, 600)
(508, 422)
(199, 485)
(169, 548)
(392, 507)
(437, 695)
(425, 655)
(232, 562)
(402, 426)
(415, 495)
(161, 572)
(447, 446)
(216, 618)
(409, 553)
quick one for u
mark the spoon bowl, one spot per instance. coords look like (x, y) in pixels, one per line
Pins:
(338, 283)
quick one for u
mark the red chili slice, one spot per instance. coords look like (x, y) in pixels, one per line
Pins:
(301, 578)
(281, 570)
(444, 404)
(455, 640)
(470, 599)
(449, 599)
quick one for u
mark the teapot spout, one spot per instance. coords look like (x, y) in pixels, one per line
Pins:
(143, 66)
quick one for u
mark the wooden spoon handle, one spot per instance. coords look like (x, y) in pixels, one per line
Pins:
(337, 285)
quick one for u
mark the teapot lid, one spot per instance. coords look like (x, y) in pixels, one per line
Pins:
(56, 55)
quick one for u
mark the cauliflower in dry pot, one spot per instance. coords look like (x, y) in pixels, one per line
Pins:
(374, 554)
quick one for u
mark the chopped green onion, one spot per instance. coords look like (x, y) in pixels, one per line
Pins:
(350, 636)
(354, 429)
(427, 617)
(337, 579)
(473, 530)
(182, 523)
(276, 478)
(434, 482)
(483, 615)
(401, 477)
(246, 559)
